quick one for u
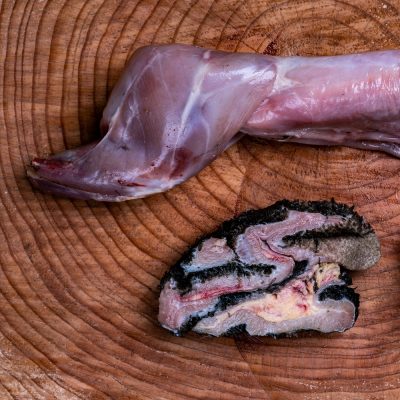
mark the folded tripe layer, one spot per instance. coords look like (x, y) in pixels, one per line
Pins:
(271, 271)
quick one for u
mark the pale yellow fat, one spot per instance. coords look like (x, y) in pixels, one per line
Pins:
(325, 269)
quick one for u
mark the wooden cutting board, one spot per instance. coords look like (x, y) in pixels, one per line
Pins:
(78, 280)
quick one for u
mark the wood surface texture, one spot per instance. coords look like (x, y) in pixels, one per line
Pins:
(78, 280)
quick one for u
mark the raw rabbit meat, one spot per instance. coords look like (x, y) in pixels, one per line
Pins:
(177, 107)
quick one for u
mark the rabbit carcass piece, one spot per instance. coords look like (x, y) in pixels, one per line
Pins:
(177, 107)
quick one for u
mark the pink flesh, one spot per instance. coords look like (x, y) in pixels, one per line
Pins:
(259, 314)
(162, 126)
(215, 292)
(263, 243)
(173, 312)
(175, 309)
(213, 252)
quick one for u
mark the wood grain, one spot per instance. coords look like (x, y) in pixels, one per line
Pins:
(78, 280)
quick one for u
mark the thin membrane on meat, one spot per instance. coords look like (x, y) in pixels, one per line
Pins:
(271, 271)
(177, 107)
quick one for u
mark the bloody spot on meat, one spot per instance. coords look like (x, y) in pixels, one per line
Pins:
(122, 182)
(49, 163)
(208, 294)
(303, 307)
(299, 288)
(183, 158)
